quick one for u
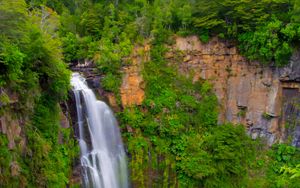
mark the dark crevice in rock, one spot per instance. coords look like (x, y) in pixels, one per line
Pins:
(291, 114)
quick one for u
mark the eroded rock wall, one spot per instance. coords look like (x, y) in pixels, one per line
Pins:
(248, 93)
(13, 122)
(132, 88)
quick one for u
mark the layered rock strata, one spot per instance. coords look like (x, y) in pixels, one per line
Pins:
(248, 93)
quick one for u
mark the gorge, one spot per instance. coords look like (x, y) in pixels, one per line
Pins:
(149, 93)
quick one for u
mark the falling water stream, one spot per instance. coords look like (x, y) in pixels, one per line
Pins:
(103, 158)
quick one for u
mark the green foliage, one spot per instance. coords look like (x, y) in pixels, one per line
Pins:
(284, 153)
(296, 12)
(236, 16)
(250, 23)
(111, 83)
(217, 159)
(292, 172)
(13, 19)
(70, 47)
(174, 135)
(228, 146)
(283, 156)
(5, 160)
(92, 20)
(264, 29)
(4, 99)
(35, 53)
(11, 61)
(204, 36)
(50, 162)
(242, 112)
(173, 138)
(31, 66)
(270, 43)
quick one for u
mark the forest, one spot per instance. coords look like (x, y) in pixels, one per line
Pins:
(176, 140)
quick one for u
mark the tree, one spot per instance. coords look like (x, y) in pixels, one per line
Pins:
(296, 12)
(13, 19)
(91, 21)
(185, 15)
(236, 16)
(11, 62)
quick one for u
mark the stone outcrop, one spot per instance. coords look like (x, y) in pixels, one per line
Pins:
(12, 129)
(248, 93)
(292, 71)
(132, 89)
(10, 125)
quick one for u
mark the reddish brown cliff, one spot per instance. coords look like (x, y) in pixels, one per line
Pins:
(132, 89)
(248, 93)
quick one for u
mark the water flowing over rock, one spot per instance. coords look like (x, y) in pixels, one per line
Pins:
(103, 159)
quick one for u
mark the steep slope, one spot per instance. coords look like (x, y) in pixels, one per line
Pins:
(248, 93)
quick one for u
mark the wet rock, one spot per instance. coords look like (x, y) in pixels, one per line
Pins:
(94, 81)
(70, 108)
(76, 174)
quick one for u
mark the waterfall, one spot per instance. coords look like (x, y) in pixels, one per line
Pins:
(103, 159)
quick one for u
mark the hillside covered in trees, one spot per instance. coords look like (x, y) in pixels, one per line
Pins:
(173, 139)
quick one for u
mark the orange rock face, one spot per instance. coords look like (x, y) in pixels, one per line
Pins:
(246, 91)
(132, 89)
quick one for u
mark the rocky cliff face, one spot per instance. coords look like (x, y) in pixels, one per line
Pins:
(14, 119)
(11, 125)
(248, 93)
(132, 88)
(259, 97)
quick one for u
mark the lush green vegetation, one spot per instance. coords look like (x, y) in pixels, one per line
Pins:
(264, 30)
(32, 69)
(173, 139)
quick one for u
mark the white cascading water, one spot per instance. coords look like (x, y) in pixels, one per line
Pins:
(103, 159)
